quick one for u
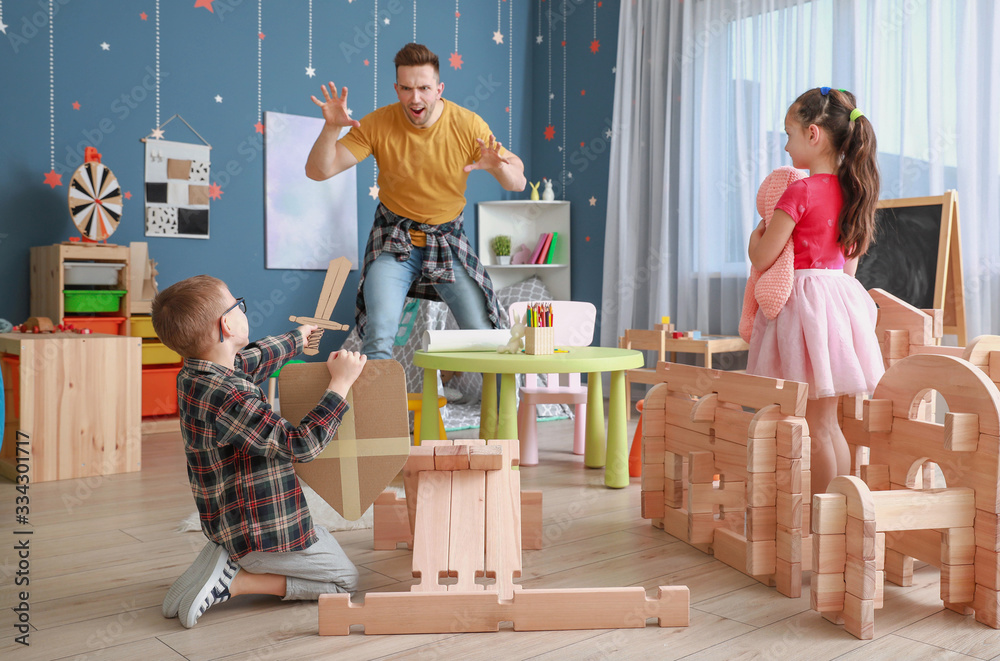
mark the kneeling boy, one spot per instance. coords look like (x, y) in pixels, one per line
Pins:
(240, 455)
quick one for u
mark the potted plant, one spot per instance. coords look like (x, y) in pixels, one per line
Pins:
(501, 248)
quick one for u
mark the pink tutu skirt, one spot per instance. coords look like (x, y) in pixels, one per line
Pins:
(824, 336)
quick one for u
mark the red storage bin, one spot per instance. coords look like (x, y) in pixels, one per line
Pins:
(107, 325)
(159, 390)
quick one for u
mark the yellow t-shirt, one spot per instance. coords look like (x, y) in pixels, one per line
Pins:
(421, 174)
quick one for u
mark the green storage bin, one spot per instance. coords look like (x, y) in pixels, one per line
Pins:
(98, 300)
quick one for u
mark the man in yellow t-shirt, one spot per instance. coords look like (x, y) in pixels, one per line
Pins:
(425, 148)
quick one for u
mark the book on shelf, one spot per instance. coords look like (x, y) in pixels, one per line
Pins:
(545, 249)
(538, 248)
(552, 248)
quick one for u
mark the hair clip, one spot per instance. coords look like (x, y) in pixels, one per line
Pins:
(856, 113)
(824, 90)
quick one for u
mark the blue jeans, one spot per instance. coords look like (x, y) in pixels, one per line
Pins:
(385, 288)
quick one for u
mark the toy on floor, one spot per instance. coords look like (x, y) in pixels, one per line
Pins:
(466, 524)
(754, 517)
(333, 284)
(870, 527)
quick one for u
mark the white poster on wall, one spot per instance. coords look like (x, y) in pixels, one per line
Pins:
(307, 223)
(177, 189)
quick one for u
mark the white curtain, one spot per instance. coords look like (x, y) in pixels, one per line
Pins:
(701, 93)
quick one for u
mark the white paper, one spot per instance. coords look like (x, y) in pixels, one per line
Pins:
(464, 340)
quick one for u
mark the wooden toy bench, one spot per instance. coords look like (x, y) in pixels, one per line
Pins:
(465, 507)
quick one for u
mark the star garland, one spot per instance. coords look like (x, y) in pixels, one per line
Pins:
(456, 60)
(595, 45)
(3, 26)
(414, 21)
(52, 178)
(563, 147)
(259, 126)
(373, 191)
(538, 37)
(510, 72)
(497, 35)
(550, 130)
(309, 68)
(157, 63)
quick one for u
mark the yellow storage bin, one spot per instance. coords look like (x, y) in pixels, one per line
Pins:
(157, 353)
(141, 327)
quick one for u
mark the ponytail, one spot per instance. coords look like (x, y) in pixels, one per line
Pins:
(853, 138)
(859, 184)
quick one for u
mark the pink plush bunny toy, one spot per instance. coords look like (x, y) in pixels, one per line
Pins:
(770, 290)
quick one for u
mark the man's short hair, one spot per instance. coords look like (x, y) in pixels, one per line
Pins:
(415, 55)
(186, 314)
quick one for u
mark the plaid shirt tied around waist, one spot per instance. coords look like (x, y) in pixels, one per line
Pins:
(240, 452)
(445, 243)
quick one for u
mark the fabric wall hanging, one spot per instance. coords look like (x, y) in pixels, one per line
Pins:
(177, 185)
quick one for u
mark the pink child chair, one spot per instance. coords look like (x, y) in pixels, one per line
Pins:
(573, 323)
(769, 290)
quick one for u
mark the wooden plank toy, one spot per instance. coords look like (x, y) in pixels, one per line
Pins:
(467, 525)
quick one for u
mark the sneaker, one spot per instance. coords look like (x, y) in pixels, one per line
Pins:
(211, 587)
(186, 581)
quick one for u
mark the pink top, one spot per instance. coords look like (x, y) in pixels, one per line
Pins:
(814, 204)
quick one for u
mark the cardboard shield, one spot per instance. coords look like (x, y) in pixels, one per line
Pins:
(373, 440)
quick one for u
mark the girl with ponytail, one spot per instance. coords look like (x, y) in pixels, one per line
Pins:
(825, 333)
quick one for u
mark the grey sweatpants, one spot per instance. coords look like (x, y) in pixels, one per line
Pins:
(323, 568)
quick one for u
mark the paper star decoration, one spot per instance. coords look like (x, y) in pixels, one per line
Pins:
(144, 16)
(258, 127)
(387, 20)
(105, 46)
(595, 45)
(373, 192)
(607, 133)
(3, 27)
(157, 134)
(593, 201)
(76, 105)
(498, 38)
(310, 72)
(260, 35)
(53, 179)
(207, 4)
(538, 39)
(128, 195)
(366, 61)
(550, 132)
(218, 98)
(214, 191)
(455, 60)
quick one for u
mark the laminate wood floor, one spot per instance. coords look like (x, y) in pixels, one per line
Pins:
(105, 550)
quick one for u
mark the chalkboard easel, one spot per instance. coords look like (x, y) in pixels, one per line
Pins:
(917, 256)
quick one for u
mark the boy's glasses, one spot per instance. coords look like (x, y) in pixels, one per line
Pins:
(241, 304)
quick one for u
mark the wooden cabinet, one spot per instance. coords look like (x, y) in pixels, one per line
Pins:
(524, 221)
(49, 281)
(75, 399)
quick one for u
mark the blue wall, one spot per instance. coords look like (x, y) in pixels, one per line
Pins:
(204, 54)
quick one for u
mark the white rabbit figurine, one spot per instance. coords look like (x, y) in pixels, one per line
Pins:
(548, 194)
(517, 330)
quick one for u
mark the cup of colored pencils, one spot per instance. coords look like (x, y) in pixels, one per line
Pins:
(539, 336)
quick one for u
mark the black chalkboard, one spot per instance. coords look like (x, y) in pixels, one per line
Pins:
(903, 260)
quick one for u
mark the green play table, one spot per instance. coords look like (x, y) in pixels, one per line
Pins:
(590, 360)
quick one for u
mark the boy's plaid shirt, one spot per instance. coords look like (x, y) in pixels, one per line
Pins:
(240, 452)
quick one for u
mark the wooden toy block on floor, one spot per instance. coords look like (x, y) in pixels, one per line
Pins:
(870, 528)
(731, 482)
(466, 525)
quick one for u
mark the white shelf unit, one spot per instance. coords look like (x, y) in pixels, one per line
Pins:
(523, 221)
